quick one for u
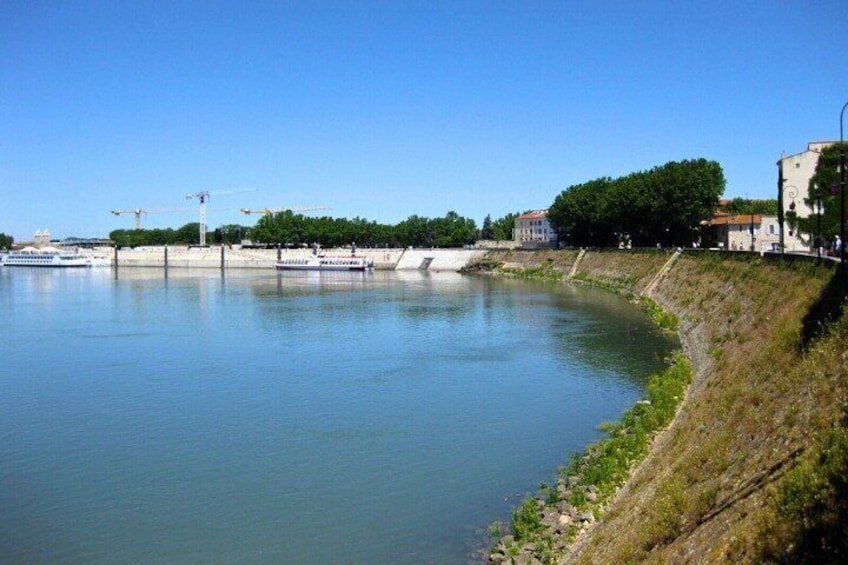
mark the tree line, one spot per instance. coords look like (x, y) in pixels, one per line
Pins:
(664, 206)
(288, 229)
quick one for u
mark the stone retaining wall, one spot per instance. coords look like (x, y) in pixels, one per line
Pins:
(237, 258)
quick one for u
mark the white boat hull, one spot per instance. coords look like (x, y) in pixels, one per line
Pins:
(314, 263)
(54, 262)
(45, 257)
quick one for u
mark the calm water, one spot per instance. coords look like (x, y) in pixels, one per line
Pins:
(294, 417)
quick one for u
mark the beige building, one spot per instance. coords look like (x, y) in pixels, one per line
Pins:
(797, 171)
(746, 232)
(532, 229)
(41, 238)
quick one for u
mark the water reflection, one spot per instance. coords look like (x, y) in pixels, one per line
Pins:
(249, 394)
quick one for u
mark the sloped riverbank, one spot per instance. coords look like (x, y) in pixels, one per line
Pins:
(751, 468)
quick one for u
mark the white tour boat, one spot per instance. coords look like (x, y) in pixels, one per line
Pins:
(323, 263)
(43, 257)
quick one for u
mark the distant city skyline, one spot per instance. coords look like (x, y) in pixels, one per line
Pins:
(385, 110)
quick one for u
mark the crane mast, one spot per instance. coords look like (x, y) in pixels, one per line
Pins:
(138, 212)
(203, 196)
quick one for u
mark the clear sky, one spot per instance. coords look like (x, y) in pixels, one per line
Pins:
(387, 109)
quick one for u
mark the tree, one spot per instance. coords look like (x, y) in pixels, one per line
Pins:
(579, 217)
(742, 206)
(487, 232)
(6, 241)
(824, 186)
(502, 227)
(664, 205)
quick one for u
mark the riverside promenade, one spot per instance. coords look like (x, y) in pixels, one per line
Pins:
(217, 257)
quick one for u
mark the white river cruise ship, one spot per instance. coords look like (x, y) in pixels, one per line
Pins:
(44, 257)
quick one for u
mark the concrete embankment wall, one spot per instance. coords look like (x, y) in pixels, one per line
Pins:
(437, 259)
(236, 258)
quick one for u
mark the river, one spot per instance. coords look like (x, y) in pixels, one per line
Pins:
(263, 417)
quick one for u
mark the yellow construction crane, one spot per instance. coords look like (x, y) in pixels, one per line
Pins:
(139, 211)
(270, 211)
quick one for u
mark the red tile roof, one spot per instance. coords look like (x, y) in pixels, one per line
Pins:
(534, 215)
(740, 220)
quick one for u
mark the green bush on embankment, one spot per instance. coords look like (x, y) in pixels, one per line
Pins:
(753, 468)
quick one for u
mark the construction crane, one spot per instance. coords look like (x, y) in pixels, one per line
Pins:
(270, 211)
(203, 196)
(139, 211)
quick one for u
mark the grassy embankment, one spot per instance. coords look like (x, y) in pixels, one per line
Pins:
(754, 466)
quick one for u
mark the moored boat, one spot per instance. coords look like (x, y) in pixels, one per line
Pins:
(323, 263)
(43, 257)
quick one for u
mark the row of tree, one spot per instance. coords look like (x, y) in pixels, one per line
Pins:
(295, 230)
(6, 241)
(292, 229)
(663, 206)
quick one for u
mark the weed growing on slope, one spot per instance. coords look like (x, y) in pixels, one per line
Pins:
(607, 463)
(663, 318)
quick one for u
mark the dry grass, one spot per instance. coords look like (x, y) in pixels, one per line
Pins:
(753, 469)
(760, 403)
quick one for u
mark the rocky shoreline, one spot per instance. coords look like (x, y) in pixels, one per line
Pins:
(562, 522)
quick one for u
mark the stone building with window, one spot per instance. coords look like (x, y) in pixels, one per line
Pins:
(745, 232)
(533, 230)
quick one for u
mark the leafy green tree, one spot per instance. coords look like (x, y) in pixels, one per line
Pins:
(186, 235)
(486, 232)
(189, 234)
(6, 241)
(502, 228)
(452, 231)
(741, 206)
(295, 230)
(579, 214)
(824, 188)
(664, 205)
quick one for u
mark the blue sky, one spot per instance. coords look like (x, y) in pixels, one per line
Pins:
(387, 109)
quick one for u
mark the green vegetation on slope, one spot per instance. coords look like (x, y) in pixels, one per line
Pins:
(753, 468)
(770, 394)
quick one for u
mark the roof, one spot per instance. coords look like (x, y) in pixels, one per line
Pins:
(812, 146)
(533, 215)
(739, 220)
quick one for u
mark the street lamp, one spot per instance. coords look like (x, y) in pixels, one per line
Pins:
(780, 202)
(792, 191)
(818, 210)
(752, 232)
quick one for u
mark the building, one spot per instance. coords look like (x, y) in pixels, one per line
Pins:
(796, 171)
(41, 238)
(745, 232)
(533, 230)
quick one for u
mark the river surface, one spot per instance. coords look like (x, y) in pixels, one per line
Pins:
(263, 417)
